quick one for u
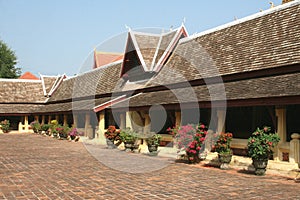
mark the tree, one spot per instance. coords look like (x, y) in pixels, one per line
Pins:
(8, 60)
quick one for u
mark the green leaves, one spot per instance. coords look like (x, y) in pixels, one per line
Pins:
(8, 60)
(261, 142)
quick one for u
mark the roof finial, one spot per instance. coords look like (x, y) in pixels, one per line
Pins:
(235, 18)
(183, 21)
(171, 28)
(127, 27)
(260, 10)
(272, 4)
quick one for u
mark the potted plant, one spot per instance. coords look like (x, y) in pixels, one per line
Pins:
(53, 127)
(153, 143)
(73, 133)
(112, 135)
(36, 126)
(63, 131)
(222, 147)
(190, 138)
(260, 146)
(5, 125)
(45, 128)
(129, 138)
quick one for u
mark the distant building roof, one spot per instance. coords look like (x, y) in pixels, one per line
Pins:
(29, 76)
(104, 58)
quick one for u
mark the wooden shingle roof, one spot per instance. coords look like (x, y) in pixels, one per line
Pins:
(287, 85)
(99, 81)
(21, 91)
(266, 40)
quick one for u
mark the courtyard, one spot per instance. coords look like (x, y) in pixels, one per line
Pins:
(37, 167)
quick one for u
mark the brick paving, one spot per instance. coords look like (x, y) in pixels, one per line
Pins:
(37, 167)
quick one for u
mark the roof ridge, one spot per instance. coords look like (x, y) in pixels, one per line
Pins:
(111, 53)
(18, 80)
(96, 69)
(242, 20)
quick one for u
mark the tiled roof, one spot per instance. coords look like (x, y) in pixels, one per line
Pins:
(267, 41)
(147, 45)
(165, 42)
(267, 87)
(20, 108)
(98, 81)
(28, 76)
(104, 58)
(21, 91)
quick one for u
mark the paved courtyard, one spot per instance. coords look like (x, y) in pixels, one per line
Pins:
(38, 167)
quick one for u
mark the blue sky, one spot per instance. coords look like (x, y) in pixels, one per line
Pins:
(55, 36)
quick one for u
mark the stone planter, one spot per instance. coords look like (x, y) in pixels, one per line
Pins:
(110, 144)
(224, 159)
(129, 146)
(260, 166)
(153, 150)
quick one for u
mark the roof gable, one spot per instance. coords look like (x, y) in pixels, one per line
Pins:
(149, 52)
(104, 58)
(28, 76)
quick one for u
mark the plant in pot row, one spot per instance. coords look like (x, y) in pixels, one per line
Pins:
(153, 143)
(112, 136)
(36, 127)
(56, 130)
(260, 146)
(129, 137)
(222, 147)
(190, 138)
(5, 124)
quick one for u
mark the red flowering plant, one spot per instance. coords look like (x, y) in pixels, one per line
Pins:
(112, 133)
(261, 142)
(222, 144)
(190, 138)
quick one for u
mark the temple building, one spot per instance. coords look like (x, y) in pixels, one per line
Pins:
(234, 78)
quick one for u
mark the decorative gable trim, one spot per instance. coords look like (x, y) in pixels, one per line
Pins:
(180, 31)
(109, 103)
(56, 84)
(43, 85)
(138, 50)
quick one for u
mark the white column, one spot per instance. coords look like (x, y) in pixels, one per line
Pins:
(65, 120)
(75, 120)
(147, 127)
(43, 119)
(36, 118)
(49, 119)
(26, 124)
(128, 120)
(281, 131)
(123, 121)
(20, 128)
(178, 119)
(87, 123)
(57, 118)
(221, 115)
(101, 127)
